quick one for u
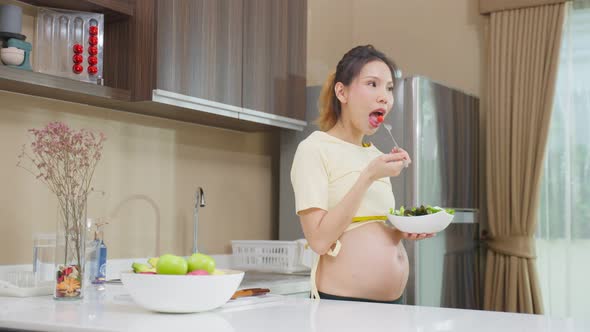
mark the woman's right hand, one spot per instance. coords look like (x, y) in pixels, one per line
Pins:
(386, 165)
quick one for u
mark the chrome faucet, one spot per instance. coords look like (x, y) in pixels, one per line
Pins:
(199, 202)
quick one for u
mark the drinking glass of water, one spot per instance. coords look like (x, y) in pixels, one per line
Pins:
(44, 257)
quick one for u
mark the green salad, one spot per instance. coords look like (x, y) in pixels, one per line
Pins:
(418, 211)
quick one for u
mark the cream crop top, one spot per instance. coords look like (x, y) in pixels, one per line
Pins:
(324, 169)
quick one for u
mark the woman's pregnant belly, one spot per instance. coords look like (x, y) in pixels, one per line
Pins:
(372, 264)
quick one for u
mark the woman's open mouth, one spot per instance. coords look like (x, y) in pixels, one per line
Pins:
(376, 117)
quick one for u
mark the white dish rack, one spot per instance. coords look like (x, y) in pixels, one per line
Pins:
(23, 284)
(272, 256)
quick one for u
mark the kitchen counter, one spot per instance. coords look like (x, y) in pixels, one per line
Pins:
(113, 310)
(278, 283)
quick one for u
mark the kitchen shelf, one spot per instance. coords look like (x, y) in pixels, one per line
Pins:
(112, 9)
(65, 89)
(44, 85)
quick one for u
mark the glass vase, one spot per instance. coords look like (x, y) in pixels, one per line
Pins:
(70, 249)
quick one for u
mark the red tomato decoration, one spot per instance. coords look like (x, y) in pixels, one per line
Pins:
(77, 68)
(92, 60)
(93, 30)
(92, 70)
(93, 50)
(77, 58)
(93, 40)
(78, 48)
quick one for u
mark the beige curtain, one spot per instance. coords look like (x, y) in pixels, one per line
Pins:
(523, 57)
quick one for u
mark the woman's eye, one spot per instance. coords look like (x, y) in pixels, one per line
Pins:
(373, 84)
(390, 89)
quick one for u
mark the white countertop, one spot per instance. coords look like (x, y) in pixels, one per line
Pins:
(113, 310)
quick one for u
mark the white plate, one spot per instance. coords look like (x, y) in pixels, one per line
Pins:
(430, 223)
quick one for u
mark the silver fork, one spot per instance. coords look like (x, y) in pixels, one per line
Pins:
(388, 127)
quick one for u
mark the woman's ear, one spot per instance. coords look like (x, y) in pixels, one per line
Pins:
(341, 93)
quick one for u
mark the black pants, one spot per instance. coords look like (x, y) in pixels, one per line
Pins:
(325, 296)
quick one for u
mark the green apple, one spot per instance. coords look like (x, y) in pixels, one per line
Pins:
(198, 261)
(171, 264)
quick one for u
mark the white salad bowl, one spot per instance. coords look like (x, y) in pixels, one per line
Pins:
(430, 223)
(181, 293)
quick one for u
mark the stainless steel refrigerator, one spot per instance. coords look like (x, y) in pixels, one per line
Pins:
(438, 126)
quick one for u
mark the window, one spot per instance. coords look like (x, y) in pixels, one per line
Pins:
(563, 235)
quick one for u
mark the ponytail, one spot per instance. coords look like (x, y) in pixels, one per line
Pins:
(328, 105)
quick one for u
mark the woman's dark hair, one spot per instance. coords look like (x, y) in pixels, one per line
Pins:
(348, 68)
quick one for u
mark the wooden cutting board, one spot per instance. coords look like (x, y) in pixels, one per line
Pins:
(250, 292)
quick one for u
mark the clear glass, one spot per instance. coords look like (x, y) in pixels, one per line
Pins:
(44, 257)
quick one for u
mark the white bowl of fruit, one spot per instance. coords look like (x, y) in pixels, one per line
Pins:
(173, 284)
(422, 219)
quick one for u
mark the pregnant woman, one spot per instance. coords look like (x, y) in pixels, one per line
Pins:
(342, 186)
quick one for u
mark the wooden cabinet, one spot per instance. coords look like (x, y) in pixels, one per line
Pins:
(275, 57)
(202, 61)
(244, 53)
(130, 51)
(200, 49)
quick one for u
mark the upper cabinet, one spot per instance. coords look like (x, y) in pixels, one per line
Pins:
(274, 57)
(200, 49)
(245, 56)
(237, 64)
